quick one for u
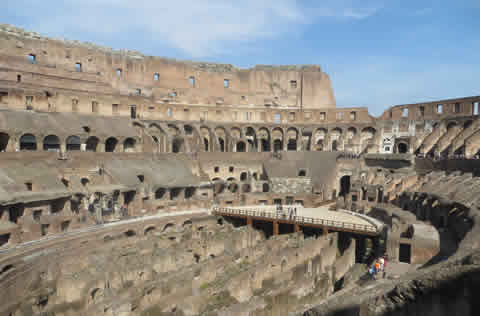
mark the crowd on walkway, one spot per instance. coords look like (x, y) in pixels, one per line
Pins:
(378, 266)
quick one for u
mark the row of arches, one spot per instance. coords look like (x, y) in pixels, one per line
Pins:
(29, 142)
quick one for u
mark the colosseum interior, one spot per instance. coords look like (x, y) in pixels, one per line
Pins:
(139, 185)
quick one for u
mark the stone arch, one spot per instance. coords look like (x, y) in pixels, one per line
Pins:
(277, 137)
(73, 143)
(221, 135)
(168, 227)
(28, 142)
(265, 187)
(91, 144)
(320, 137)
(51, 143)
(351, 132)
(292, 139)
(130, 233)
(236, 132)
(129, 145)
(111, 144)
(173, 130)
(263, 136)
(149, 230)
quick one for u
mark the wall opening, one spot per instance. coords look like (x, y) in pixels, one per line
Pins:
(226, 83)
(302, 173)
(439, 108)
(475, 108)
(292, 145)
(129, 145)
(402, 148)
(334, 145)
(159, 193)
(4, 138)
(32, 58)
(265, 145)
(119, 72)
(73, 143)
(91, 144)
(156, 77)
(111, 144)
(265, 187)
(205, 144)
(221, 143)
(175, 193)
(189, 192)
(191, 81)
(78, 67)
(243, 176)
(133, 111)
(241, 147)
(4, 238)
(344, 186)
(405, 253)
(51, 143)
(277, 145)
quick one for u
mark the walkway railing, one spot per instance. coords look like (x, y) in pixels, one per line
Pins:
(297, 219)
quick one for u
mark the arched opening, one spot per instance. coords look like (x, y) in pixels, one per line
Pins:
(243, 176)
(246, 188)
(129, 145)
(175, 193)
(111, 144)
(4, 138)
(241, 147)
(189, 192)
(233, 187)
(292, 145)
(265, 145)
(73, 143)
(402, 148)
(92, 143)
(177, 145)
(168, 227)
(51, 143)
(334, 145)
(205, 143)
(159, 193)
(320, 145)
(344, 186)
(265, 187)
(221, 143)
(149, 230)
(28, 142)
(277, 145)
(130, 233)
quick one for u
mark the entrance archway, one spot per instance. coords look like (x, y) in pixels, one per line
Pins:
(51, 143)
(277, 145)
(402, 148)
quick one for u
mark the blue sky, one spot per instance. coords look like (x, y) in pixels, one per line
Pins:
(377, 53)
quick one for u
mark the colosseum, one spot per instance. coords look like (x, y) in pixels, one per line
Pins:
(144, 186)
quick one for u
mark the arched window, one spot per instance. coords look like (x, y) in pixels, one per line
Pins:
(159, 193)
(265, 187)
(277, 145)
(402, 148)
(110, 144)
(221, 143)
(28, 142)
(129, 145)
(73, 143)
(51, 143)
(92, 143)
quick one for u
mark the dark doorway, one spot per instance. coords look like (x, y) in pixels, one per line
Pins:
(110, 144)
(4, 138)
(402, 148)
(28, 142)
(265, 145)
(241, 147)
(344, 185)
(221, 142)
(334, 145)
(205, 143)
(405, 253)
(51, 143)
(277, 145)
(292, 145)
(133, 111)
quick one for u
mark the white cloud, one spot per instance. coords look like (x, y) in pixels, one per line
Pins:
(197, 27)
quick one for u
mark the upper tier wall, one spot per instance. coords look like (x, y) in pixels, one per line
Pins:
(85, 67)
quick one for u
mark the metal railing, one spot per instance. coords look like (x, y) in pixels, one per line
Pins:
(297, 219)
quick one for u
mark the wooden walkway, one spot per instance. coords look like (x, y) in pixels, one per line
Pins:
(351, 225)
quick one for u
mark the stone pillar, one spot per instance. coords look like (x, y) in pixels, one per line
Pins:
(275, 228)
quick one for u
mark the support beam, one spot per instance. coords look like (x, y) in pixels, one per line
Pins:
(296, 228)
(275, 228)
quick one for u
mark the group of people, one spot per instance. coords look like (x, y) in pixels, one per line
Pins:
(378, 266)
(291, 212)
